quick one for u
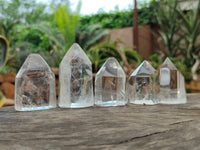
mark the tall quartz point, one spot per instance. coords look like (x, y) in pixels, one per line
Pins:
(172, 84)
(110, 84)
(76, 84)
(35, 85)
(142, 86)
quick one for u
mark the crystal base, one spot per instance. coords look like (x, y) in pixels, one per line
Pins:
(144, 102)
(72, 105)
(111, 103)
(174, 101)
(34, 108)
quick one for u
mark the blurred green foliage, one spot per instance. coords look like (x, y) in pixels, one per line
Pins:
(166, 18)
(178, 34)
(109, 20)
(99, 53)
(119, 19)
(67, 22)
(7, 69)
(90, 35)
(156, 60)
(50, 29)
(32, 27)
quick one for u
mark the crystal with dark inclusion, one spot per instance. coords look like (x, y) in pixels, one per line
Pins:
(110, 84)
(172, 84)
(142, 85)
(76, 84)
(35, 85)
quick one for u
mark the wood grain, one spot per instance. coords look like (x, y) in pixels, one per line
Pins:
(166, 127)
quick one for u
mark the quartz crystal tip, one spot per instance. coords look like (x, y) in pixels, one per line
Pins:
(144, 68)
(168, 64)
(75, 52)
(142, 85)
(35, 85)
(76, 84)
(172, 84)
(110, 84)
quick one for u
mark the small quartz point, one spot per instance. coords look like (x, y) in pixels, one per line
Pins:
(172, 84)
(35, 85)
(110, 84)
(142, 86)
(76, 84)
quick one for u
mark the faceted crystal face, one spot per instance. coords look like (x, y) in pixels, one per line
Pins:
(172, 84)
(110, 84)
(165, 78)
(76, 84)
(142, 85)
(35, 85)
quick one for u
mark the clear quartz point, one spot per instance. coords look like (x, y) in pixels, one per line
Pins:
(35, 85)
(142, 85)
(110, 84)
(172, 84)
(76, 84)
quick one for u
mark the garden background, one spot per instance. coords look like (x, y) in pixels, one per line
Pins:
(167, 28)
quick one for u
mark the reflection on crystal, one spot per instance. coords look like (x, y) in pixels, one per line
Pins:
(35, 85)
(142, 85)
(110, 84)
(165, 78)
(172, 84)
(76, 86)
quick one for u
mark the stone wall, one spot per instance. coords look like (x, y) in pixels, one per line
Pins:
(126, 36)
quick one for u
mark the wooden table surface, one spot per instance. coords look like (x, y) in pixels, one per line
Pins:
(139, 127)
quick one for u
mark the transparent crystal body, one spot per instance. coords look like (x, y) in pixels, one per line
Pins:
(110, 84)
(172, 84)
(35, 85)
(76, 84)
(142, 87)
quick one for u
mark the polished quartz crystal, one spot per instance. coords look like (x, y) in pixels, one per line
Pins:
(76, 84)
(172, 84)
(110, 84)
(142, 85)
(35, 85)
